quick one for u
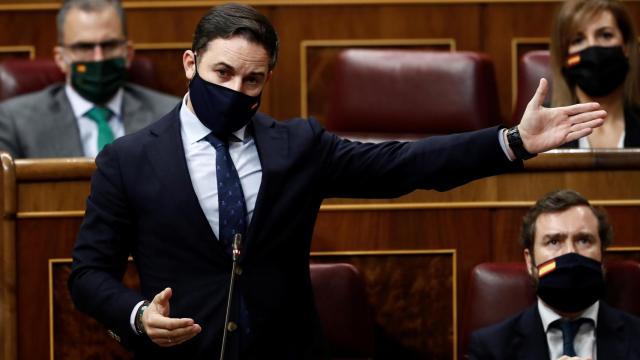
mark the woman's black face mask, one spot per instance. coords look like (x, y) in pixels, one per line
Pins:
(597, 70)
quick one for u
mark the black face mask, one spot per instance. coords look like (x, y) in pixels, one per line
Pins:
(222, 110)
(597, 70)
(571, 282)
(98, 81)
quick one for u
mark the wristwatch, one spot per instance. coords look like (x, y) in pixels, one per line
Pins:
(515, 143)
(138, 323)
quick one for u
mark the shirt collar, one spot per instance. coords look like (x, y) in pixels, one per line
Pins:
(195, 130)
(548, 315)
(81, 105)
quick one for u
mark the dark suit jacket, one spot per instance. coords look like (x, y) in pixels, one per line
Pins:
(42, 124)
(142, 202)
(522, 337)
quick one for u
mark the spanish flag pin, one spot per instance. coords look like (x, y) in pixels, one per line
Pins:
(81, 68)
(546, 268)
(573, 60)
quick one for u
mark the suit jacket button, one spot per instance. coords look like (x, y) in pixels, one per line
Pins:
(231, 326)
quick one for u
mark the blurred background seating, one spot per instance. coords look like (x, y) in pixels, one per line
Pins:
(340, 297)
(399, 94)
(21, 76)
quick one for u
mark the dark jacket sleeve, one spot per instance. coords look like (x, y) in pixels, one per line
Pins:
(102, 249)
(477, 348)
(391, 169)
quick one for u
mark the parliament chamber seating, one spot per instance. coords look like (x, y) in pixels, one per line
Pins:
(532, 66)
(500, 290)
(21, 76)
(414, 252)
(340, 297)
(395, 93)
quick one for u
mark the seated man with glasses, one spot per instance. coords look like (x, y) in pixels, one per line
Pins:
(96, 104)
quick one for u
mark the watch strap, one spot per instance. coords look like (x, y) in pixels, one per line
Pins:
(515, 143)
(138, 322)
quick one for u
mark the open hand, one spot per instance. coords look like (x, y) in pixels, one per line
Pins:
(164, 330)
(543, 129)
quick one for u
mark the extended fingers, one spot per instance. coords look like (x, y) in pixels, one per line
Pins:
(540, 94)
(169, 332)
(588, 117)
(581, 108)
(166, 323)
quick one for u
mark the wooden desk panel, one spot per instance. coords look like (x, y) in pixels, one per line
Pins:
(43, 204)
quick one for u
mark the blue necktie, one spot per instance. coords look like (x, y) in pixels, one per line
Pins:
(231, 205)
(233, 214)
(569, 330)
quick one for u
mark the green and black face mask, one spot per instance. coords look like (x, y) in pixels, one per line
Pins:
(98, 81)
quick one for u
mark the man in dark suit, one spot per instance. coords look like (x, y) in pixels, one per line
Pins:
(96, 104)
(564, 239)
(168, 195)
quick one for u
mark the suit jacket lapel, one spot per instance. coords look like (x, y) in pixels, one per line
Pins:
(530, 343)
(272, 144)
(62, 127)
(610, 338)
(134, 116)
(167, 157)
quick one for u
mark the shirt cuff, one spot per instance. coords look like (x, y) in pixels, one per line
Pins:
(132, 318)
(502, 135)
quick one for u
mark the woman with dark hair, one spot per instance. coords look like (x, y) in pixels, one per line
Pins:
(594, 57)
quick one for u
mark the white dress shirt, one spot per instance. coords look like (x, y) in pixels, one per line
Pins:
(201, 162)
(88, 127)
(585, 340)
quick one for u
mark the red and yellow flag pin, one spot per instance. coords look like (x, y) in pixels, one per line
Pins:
(81, 68)
(573, 60)
(546, 268)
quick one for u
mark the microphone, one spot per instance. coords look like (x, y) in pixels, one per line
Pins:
(235, 254)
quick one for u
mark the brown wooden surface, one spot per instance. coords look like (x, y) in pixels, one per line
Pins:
(44, 202)
(487, 26)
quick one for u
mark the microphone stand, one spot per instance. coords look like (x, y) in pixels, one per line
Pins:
(237, 246)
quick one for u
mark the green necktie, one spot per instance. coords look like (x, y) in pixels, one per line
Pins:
(101, 116)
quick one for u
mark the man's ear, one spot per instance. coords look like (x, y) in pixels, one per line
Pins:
(58, 57)
(528, 259)
(189, 64)
(130, 53)
(269, 76)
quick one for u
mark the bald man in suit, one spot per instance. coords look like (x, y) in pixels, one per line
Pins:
(58, 121)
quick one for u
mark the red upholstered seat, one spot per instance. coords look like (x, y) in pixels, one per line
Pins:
(500, 290)
(532, 66)
(399, 92)
(342, 305)
(21, 76)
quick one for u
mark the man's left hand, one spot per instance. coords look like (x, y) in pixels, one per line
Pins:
(543, 129)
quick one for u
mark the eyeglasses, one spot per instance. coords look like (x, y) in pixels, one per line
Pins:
(86, 49)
